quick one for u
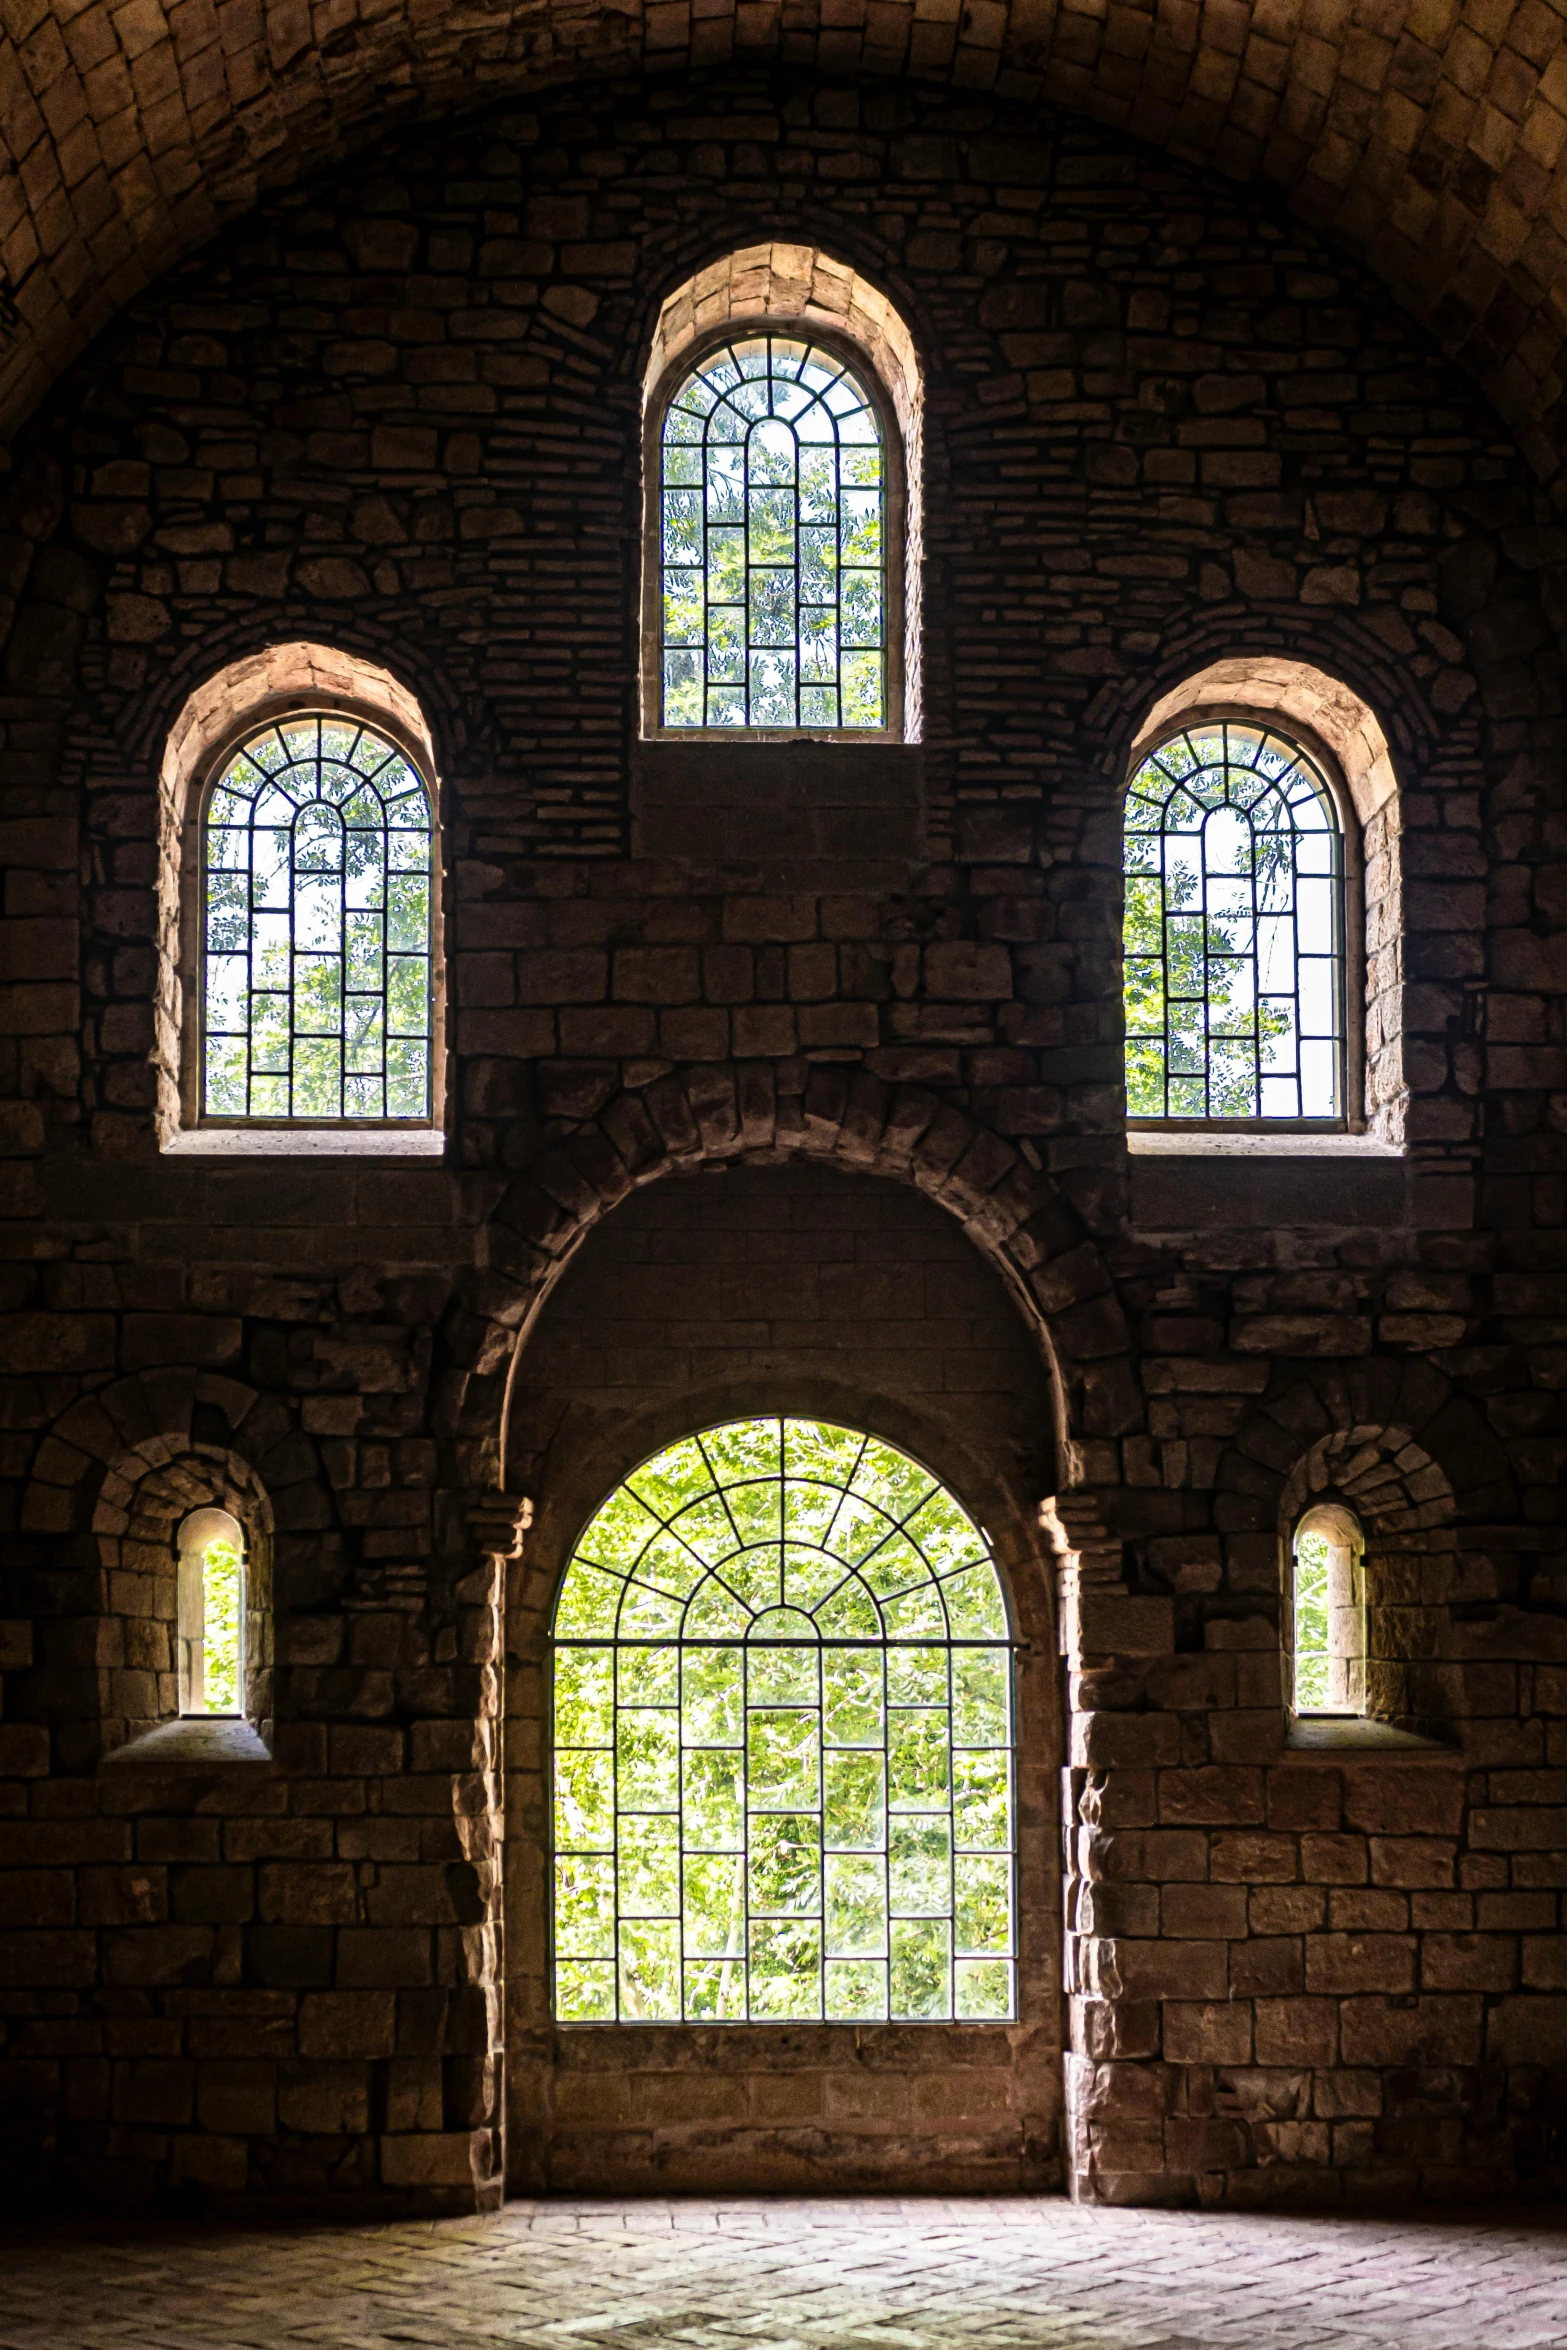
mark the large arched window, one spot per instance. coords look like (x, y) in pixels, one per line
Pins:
(782, 1742)
(773, 542)
(1234, 936)
(316, 929)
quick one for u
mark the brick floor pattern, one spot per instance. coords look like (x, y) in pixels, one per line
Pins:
(820, 2275)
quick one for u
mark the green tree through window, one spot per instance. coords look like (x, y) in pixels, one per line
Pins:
(782, 1710)
(773, 542)
(1234, 931)
(316, 919)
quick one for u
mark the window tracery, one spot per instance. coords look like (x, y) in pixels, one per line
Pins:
(773, 542)
(1234, 932)
(316, 924)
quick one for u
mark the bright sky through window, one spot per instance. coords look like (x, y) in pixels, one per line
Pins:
(773, 543)
(782, 1742)
(1234, 937)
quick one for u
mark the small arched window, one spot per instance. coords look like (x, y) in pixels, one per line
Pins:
(212, 1603)
(316, 929)
(1234, 931)
(774, 514)
(1328, 1613)
(782, 1709)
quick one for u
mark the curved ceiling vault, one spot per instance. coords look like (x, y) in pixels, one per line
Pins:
(1425, 137)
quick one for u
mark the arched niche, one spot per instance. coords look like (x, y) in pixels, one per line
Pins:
(850, 1297)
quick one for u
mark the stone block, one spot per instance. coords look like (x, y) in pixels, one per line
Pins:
(1525, 2030)
(324, 2100)
(1207, 2032)
(1429, 2030)
(339, 2024)
(1360, 1962)
(453, 2158)
(1297, 2031)
(1468, 1962)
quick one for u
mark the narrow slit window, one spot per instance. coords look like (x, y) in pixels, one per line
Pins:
(783, 1746)
(773, 542)
(316, 919)
(1234, 932)
(212, 1607)
(1329, 1614)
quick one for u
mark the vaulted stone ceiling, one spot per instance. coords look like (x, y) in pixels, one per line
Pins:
(1425, 137)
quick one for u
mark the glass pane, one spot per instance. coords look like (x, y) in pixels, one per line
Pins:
(766, 1808)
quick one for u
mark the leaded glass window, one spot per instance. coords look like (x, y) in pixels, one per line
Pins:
(316, 966)
(783, 1771)
(1234, 934)
(773, 539)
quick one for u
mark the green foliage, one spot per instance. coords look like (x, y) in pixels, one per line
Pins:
(222, 1587)
(1312, 1644)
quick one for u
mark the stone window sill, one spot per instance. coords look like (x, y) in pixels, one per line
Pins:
(1205, 1142)
(194, 1743)
(307, 1142)
(1329, 1736)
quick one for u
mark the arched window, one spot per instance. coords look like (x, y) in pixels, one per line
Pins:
(212, 1602)
(773, 528)
(316, 929)
(1328, 1613)
(783, 1742)
(1234, 931)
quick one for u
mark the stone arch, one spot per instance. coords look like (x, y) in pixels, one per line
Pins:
(1020, 1217)
(1312, 662)
(803, 284)
(1413, 1460)
(111, 1480)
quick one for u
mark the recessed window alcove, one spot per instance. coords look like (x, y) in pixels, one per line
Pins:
(852, 1311)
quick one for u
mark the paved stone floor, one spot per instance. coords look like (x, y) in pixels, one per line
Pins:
(867, 2275)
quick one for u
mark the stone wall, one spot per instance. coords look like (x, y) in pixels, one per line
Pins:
(397, 416)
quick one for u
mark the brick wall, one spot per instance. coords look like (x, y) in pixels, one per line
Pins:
(397, 415)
